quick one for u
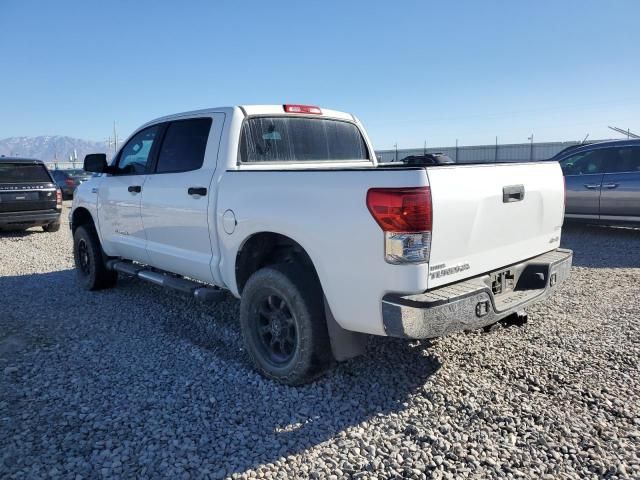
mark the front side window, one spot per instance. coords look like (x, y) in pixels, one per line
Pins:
(586, 163)
(291, 139)
(625, 160)
(184, 145)
(135, 154)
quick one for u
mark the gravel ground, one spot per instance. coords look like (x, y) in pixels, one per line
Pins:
(139, 382)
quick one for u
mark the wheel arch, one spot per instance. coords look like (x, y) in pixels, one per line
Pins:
(82, 216)
(267, 248)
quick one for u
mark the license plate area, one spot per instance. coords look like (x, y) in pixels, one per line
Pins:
(19, 197)
(503, 281)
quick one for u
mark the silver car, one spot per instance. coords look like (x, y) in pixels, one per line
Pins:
(603, 181)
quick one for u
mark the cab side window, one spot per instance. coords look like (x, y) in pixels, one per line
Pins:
(134, 156)
(586, 163)
(184, 145)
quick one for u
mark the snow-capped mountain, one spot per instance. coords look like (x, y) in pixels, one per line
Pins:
(50, 148)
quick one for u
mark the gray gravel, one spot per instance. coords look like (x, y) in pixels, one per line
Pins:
(139, 382)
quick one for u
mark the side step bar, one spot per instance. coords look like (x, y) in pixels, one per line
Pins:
(198, 290)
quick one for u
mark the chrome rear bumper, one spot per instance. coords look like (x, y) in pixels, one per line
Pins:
(472, 303)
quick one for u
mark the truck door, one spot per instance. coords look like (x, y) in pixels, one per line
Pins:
(620, 198)
(119, 196)
(176, 198)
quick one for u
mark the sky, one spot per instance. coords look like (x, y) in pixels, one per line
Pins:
(412, 71)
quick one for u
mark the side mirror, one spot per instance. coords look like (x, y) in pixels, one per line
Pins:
(95, 162)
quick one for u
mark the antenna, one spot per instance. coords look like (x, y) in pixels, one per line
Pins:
(585, 138)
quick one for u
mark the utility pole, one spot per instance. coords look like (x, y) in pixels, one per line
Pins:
(495, 160)
(456, 150)
(395, 145)
(531, 152)
(424, 150)
(115, 139)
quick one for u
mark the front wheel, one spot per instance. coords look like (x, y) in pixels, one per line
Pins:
(90, 263)
(283, 324)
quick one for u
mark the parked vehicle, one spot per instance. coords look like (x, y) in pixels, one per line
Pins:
(427, 159)
(80, 175)
(287, 208)
(603, 182)
(28, 195)
(65, 182)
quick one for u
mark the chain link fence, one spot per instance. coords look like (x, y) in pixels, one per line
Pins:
(514, 152)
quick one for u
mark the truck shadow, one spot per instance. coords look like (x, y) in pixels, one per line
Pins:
(122, 340)
(596, 246)
(21, 232)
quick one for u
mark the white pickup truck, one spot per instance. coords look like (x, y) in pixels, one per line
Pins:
(287, 207)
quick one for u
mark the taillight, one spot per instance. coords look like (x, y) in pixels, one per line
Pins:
(70, 182)
(302, 109)
(406, 217)
(59, 198)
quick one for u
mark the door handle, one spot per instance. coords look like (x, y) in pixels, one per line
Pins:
(610, 185)
(197, 191)
(134, 188)
(591, 186)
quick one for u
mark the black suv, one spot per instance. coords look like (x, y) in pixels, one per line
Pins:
(28, 195)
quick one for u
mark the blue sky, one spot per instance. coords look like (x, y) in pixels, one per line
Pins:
(412, 71)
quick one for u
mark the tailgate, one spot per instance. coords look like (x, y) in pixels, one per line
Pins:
(22, 198)
(489, 216)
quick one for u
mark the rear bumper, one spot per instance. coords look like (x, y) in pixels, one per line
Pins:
(472, 304)
(30, 218)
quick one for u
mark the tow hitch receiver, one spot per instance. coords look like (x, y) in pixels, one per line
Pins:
(503, 281)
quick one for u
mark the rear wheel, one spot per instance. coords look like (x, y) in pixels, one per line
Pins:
(91, 269)
(283, 324)
(51, 227)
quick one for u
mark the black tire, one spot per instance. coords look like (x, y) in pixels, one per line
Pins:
(91, 269)
(267, 326)
(51, 227)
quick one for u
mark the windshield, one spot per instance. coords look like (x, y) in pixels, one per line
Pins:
(300, 139)
(23, 173)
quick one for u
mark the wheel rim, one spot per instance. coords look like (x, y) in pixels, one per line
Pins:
(84, 261)
(275, 327)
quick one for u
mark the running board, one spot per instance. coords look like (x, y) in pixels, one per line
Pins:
(198, 290)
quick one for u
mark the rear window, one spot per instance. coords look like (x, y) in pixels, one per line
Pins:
(23, 173)
(291, 139)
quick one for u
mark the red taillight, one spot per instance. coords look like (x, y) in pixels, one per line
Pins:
(70, 182)
(302, 109)
(401, 209)
(59, 198)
